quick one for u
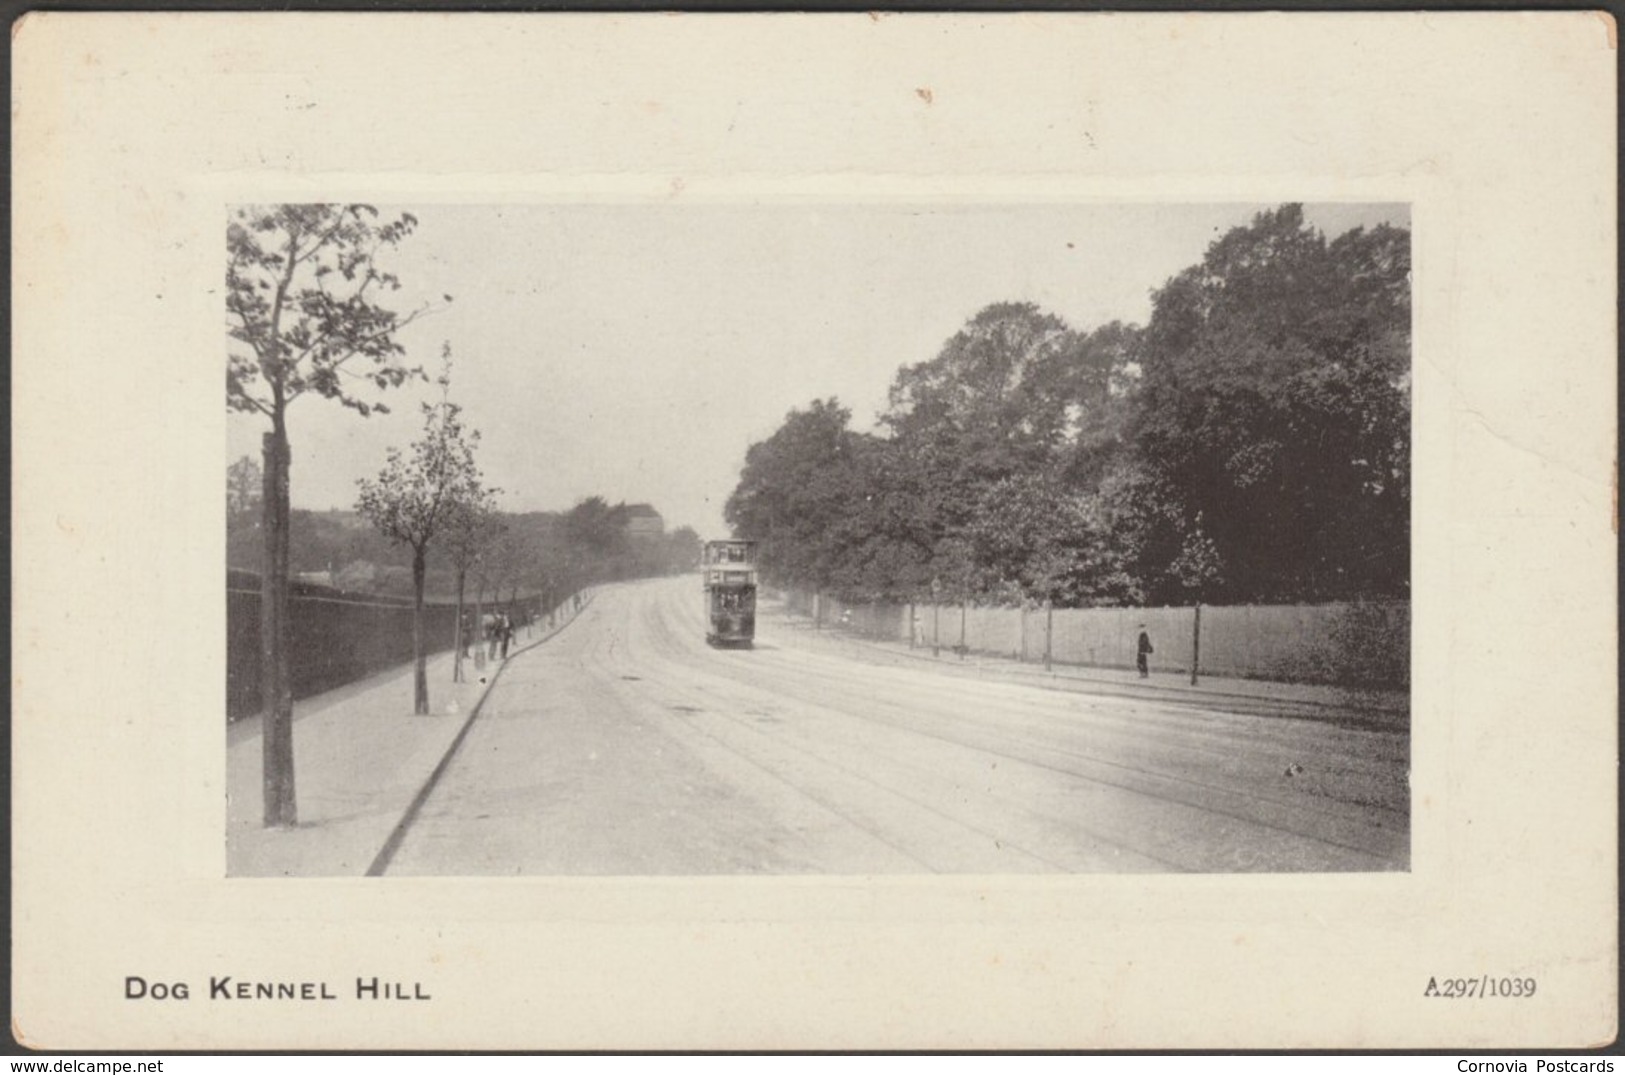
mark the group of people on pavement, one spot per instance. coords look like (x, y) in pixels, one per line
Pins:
(495, 634)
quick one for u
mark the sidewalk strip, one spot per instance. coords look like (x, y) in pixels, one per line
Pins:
(398, 834)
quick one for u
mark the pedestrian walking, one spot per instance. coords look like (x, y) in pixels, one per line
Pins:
(505, 632)
(1143, 653)
(489, 635)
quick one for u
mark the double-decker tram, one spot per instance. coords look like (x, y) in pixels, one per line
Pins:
(730, 592)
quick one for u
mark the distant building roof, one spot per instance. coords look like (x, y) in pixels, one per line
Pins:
(643, 521)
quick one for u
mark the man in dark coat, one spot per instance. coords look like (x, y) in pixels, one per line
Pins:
(1142, 652)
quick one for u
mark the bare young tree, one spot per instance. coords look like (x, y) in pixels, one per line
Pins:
(304, 316)
(470, 528)
(417, 495)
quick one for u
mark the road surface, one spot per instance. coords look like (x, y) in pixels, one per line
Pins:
(626, 746)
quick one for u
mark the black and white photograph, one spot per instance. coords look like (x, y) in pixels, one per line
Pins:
(935, 532)
(832, 539)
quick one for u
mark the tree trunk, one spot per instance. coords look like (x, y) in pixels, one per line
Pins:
(479, 623)
(420, 672)
(276, 682)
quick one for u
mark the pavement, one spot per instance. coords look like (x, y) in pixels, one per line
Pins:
(363, 761)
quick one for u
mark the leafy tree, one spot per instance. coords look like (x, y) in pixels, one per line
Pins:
(418, 495)
(1039, 540)
(357, 576)
(1014, 398)
(1275, 409)
(993, 442)
(682, 550)
(796, 490)
(993, 403)
(993, 383)
(304, 311)
(597, 539)
(244, 493)
(1099, 389)
(508, 563)
(245, 547)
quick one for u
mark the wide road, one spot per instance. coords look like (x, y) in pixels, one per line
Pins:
(625, 745)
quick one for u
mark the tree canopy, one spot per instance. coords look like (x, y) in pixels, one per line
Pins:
(796, 494)
(303, 291)
(1249, 443)
(1275, 408)
(420, 492)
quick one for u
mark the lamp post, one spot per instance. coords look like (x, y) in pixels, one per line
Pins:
(1196, 642)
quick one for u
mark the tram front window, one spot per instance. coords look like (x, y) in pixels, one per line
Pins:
(734, 601)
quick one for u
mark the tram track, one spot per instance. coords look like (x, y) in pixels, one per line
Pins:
(1162, 790)
(698, 702)
(980, 733)
(1168, 789)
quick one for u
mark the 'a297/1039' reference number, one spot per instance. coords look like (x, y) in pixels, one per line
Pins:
(1481, 987)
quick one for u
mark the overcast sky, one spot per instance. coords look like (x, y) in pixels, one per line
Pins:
(636, 352)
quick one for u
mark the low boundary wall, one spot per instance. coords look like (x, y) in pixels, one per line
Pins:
(1361, 644)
